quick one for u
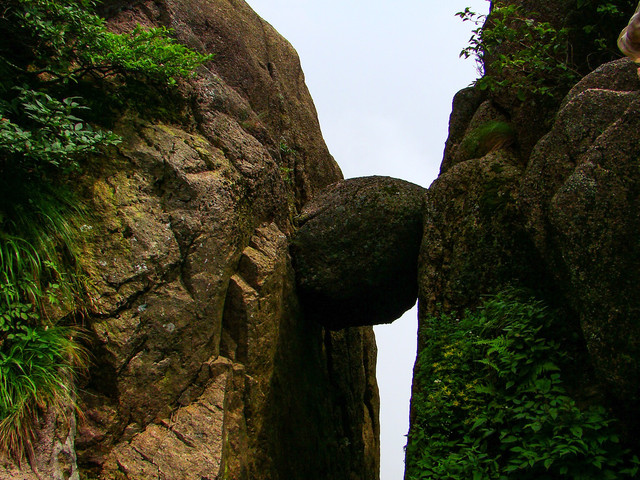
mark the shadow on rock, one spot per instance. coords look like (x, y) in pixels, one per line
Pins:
(356, 251)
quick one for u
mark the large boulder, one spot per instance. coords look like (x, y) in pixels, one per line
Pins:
(581, 197)
(356, 251)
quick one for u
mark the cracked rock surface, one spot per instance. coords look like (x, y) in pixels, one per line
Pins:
(203, 366)
(356, 251)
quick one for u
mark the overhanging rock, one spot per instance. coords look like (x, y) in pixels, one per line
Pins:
(356, 251)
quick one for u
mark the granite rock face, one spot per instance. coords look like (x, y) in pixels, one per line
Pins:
(581, 198)
(562, 221)
(356, 251)
(474, 239)
(551, 207)
(204, 365)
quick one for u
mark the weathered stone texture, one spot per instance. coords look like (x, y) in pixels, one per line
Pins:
(356, 249)
(581, 197)
(255, 82)
(563, 221)
(474, 242)
(203, 365)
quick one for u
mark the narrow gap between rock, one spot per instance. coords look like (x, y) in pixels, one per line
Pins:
(397, 344)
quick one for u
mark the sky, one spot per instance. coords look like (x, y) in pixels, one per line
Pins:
(382, 75)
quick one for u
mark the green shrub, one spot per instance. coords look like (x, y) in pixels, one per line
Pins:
(46, 47)
(490, 402)
(38, 132)
(37, 365)
(64, 40)
(38, 279)
(517, 52)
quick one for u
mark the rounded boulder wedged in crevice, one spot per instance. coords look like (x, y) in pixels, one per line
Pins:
(356, 251)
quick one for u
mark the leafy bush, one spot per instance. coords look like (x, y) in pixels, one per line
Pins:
(46, 47)
(63, 40)
(516, 51)
(537, 63)
(46, 133)
(491, 403)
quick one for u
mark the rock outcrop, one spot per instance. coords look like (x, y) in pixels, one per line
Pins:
(474, 238)
(581, 198)
(562, 221)
(203, 364)
(356, 251)
(230, 327)
(553, 209)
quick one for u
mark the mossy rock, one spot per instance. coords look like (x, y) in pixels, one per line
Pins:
(356, 251)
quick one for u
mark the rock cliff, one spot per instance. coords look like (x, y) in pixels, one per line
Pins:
(553, 209)
(580, 199)
(203, 365)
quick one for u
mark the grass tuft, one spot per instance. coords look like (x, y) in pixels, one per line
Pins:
(37, 368)
(39, 278)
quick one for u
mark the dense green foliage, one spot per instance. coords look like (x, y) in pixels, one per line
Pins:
(517, 51)
(538, 66)
(47, 49)
(36, 366)
(491, 402)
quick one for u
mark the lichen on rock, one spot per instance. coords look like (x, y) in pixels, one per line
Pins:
(580, 197)
(203, 365)
(356, 251)
(562, 222)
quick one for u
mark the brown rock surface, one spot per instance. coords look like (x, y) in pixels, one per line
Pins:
(581, 199)
(203, 365)
(563, 221)
(474, 242)
(356, 250)
(254, 83)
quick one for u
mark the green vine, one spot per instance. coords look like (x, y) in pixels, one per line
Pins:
(517, 52)
(491, 402)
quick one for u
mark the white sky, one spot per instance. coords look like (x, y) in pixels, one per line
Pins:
(382, 75)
